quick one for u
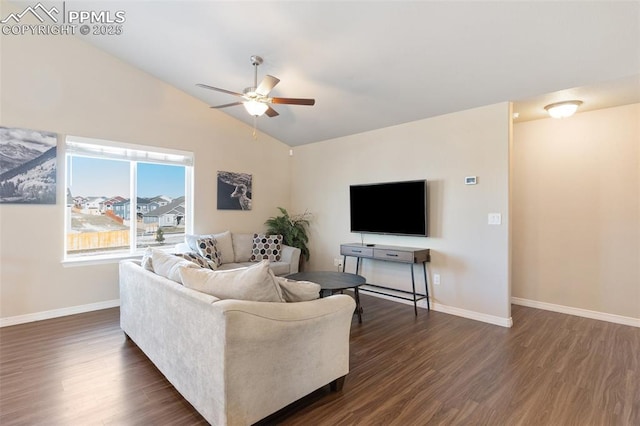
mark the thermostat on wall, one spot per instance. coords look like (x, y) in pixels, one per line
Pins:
(470, 180)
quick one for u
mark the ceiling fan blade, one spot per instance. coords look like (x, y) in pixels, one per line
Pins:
(227, 105)
(293, 101)
(271, 112)
(217, 89)
(266, 85)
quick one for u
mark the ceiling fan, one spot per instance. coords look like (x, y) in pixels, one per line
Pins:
(256, 98)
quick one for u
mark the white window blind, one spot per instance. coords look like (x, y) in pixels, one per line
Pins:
(118, 151)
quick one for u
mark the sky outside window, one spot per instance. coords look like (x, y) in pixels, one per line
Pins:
(160, 179)
(94, 177)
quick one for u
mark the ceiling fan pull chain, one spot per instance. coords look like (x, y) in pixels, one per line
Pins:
(255, 124)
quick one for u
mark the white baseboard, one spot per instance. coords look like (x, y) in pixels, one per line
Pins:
(602, 316)
(490, 319)
(464, 313)
(55, 313)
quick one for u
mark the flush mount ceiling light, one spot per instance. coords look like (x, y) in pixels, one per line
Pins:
(562, 109)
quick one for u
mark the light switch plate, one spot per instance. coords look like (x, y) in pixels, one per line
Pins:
(495, 218)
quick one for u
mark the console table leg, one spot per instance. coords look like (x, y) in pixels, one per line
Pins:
(426, 285)
(413, 285)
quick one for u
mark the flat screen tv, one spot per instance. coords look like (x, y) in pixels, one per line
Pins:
(397, 208)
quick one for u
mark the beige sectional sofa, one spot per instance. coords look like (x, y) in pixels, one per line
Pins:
(235, 361)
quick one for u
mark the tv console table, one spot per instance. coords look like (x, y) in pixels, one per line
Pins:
(409, 255)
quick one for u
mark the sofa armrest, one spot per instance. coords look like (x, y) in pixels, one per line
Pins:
(285, 351)
(298, 311)
(291, 255)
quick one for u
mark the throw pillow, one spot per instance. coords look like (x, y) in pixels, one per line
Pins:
(146, 259)
(167, 265)
(207, 247)
(224, 243)
(199, 260)
(253, 283)
(298, 291)
(192, 240)
(242, 246)
(266, 247)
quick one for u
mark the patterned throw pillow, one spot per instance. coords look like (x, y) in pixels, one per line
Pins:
(199, 260)
(266, 247)
(207, 248)
(224, 244)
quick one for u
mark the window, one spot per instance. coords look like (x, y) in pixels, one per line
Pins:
(123, 198)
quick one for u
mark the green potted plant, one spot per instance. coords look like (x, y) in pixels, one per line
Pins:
(293, 229)
(160, 235)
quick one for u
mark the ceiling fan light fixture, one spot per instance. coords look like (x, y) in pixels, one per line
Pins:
(256, 98)
(563, 109)
(255, 108)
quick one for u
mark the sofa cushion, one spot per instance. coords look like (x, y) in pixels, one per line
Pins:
(266, 247)
(298, 291)
(242, 245)
(278, 268)
(254, 283)
(198, 259)
(208, 248)
(192, 240)
(224, 244)
(168, 265)
(229, 266)
(146, 259)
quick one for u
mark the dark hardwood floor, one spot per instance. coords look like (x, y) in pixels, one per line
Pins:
(436, 369)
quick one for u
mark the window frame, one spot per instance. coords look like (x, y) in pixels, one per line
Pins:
(134, 154)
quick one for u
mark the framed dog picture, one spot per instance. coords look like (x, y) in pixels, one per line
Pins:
(234, 191)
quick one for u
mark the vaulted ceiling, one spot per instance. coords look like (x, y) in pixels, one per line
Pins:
(376, 64)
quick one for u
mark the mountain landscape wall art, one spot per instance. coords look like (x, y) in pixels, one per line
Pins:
(27, 166)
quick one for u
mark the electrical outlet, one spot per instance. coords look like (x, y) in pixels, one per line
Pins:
(337, 261)
(436, 279)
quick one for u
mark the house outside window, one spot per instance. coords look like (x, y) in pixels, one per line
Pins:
(123, 198)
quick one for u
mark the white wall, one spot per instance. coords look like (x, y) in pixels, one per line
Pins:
(576, 211)
(64, 85)
(575, 204)
(471, 256)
